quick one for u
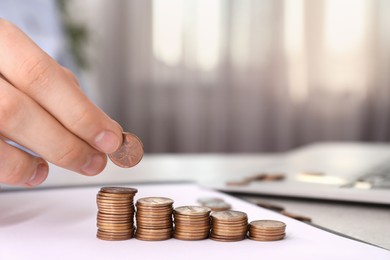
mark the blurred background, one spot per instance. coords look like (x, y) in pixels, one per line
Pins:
(238, 76)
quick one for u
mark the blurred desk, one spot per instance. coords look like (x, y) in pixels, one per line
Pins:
(368, 223)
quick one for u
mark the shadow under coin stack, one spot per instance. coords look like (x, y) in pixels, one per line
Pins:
(229, 226)
(115, 217)
(191, 223)
(154, 218)
(267, 230)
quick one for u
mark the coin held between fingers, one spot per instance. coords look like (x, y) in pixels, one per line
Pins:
(129, 153)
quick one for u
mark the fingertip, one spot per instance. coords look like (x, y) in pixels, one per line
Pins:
(108, 141)
(118, 125)
(40, 174)
(95, 164)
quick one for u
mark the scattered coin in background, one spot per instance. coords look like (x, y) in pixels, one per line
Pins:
(203, 200)
(215, 204)
(266, 176)
(296, 216)
(268, 205)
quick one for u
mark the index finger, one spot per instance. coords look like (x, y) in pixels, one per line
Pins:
(35, 73)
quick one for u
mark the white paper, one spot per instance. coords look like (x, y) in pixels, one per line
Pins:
(61, 224)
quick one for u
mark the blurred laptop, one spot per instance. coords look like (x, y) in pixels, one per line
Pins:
(358, 172)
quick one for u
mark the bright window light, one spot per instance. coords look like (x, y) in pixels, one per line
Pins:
(344, 24)
(294, 47)
(345, 38)
(174, 23)
(167, 31)
(208, 31)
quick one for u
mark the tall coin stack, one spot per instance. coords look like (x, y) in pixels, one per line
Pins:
(267, 230)
(115, 217)
(229, 226)
(154, 218)
(191, 222)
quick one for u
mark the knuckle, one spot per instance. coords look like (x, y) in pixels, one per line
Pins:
(37, 72)
(71, 75)
(16, 174)
(9, 110)
(81, 119)
(6, 26)
(67, 156)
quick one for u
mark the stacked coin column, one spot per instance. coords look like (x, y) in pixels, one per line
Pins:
(267, 230)
(115, 217)
(154, 218)
(191, 222)
(229, 226)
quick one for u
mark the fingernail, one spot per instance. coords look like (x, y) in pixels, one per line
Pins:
(94, 165)
(39, 175)
(107, 141)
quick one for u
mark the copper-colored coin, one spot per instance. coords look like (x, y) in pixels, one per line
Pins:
(129, 153)
(192, 222)
(229, 216)
(268, 224)
(268, 238)
(192, 210)
(152, 238)
(154, 218)
(108, 235)
(189, 238)
(154, 202)
(296, 216)
(229, 225)
(270, 206)
(118, 190)
(217, 205)
(220, 239)
(146, 226)
(267, 230)
(115, 218)
(204, 200)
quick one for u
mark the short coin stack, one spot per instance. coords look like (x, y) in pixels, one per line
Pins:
(267, 230)
(154, 218)
(229, 226)
(191, 222)
(115, 217)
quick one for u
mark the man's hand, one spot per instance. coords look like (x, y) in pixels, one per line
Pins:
(43, 109)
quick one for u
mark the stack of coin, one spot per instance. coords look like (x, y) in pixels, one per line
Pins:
(229, 225)
(267, 230)
(154, 218)
(191, 222)
(115, 218)
(215, 204)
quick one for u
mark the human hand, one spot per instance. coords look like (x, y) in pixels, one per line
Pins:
(43, 109)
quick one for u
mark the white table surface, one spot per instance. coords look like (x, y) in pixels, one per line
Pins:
(368, 223)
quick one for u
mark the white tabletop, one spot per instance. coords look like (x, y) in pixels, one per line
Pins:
(368, 223)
